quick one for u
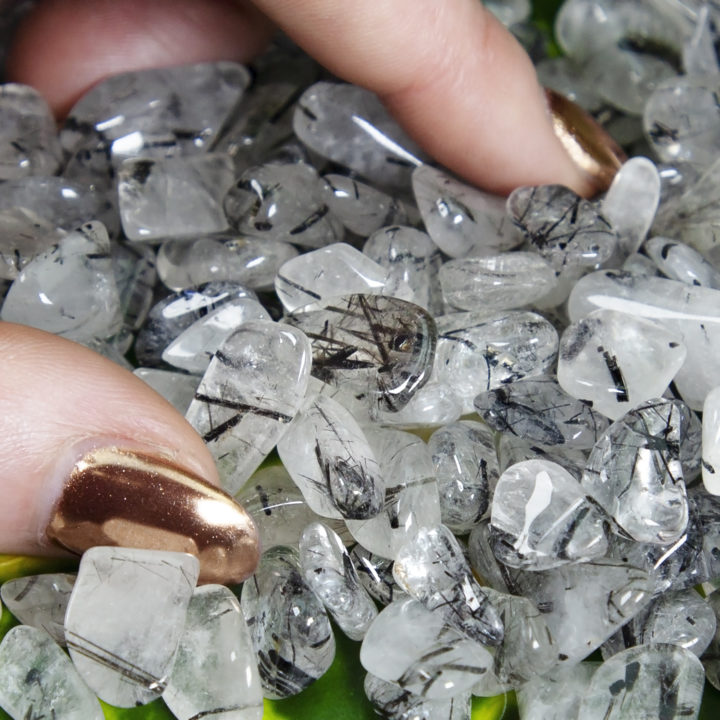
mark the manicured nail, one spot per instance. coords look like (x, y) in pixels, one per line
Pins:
(589, 145)
(115, 496)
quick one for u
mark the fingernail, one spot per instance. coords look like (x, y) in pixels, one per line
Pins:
(591, 148)
(116, 496)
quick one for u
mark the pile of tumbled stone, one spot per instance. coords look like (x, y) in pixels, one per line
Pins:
(498, 421)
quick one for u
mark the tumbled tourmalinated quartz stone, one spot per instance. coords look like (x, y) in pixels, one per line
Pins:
(375, 575)
(392, 701)
(466, 468)
(362, 208)
(125, 619)
(615, 361)
(434, 404)
(40, 601)
(282, 202)
(70, 289)
(556, 695)
(411, 494)
(496, 282)
(411, 259)
(28, 140)
(135, 276)
(329, 571)
(657, 681)
(563, 227)
(330, 460)
(513, 449)
(215, 672)
(681, 262)
(479, 351)
(193, 349)
(432, 569)
(337, 269)
(414, 648)
(634, 472)
(462, 220)
(383, 345)
(691, 312)
(173, 197)
(711, 442)
(349, 125)
(711, 658)
(538, 410)
(249, 394)
(289, 627)
(23, 236)
(177, 388)
(541, 518)
(486, 567)
(38, 680)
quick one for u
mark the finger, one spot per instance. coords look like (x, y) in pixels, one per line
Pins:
(92, 456)
(453, 76)
(63, 47)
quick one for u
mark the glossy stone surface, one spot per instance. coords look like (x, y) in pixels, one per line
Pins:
(557, 695)
(23, 236)
(375, 575)
(681, 262)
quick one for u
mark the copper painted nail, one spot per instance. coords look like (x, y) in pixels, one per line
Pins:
(122, 497)
(589, 145)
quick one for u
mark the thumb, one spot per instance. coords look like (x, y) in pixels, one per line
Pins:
(92, 456)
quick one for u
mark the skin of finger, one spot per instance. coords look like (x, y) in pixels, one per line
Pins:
(56, 395)
(63, 47)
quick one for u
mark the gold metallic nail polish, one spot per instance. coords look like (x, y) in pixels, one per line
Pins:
(133, 499)
(597, 155)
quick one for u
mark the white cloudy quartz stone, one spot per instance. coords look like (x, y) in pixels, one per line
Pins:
(711, 442)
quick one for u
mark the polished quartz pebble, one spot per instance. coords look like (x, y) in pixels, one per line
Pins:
(38, 680)
(540, 411)
(173, 197)
(328, 569)
(615, 361)
(541, 518)
(289, 627)
(40, 601)
(635, 474)
(514, 448)
(375, 575)
(462, 220)
(215, 672)
(125, 619)
(434, 404)
(556, 695)
(176, 387)
(711, 442)
(711, 658)
(23, 236)
(248, 396)
(679, 261)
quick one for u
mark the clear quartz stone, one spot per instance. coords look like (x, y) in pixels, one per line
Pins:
(23, 236)
(711, 658)
(432, 405)
(215, 672)
(177, 388)
(38, 679)
(249, 394)
(679, 261)
(135, 276)
(125, 619)
(711, 442)
(375, 575)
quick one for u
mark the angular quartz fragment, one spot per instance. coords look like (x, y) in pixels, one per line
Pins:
(336, 269)
(414, 648)
(615, 361)
(193, 349)
(327, 455)
(289, 627)
(375, 575)
(432, 569)
(466, 468)
(681, 262)
(173, 197)
(411, 259)
(329, 571)
(177, 388)
(348, 125)
(69, 289)
(541, 518)
(125, 619)
(657, 681)
(215, 672)
(362, 208)
(282, 202)
(711, 442)
(381, 344)
(496, 282)
(478, 351)
(28, 140)
(23, 236)
(635, 474)
(563, 227)
(557, 695)
(252, 262)
(411, 493)
(249, 394)
(538, 410)
(391, 701)
(40, 601)
(38, 680)
(462, 220)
